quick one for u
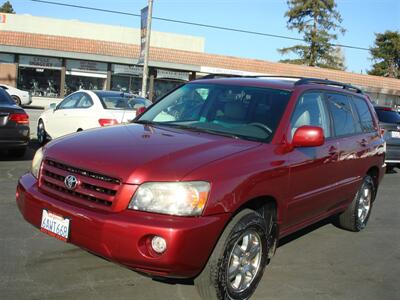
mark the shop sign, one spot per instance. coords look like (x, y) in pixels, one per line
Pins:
(172, 74)
(127, 70)
(83, 65)
(40, 61)
(212, 70)
(3, 18)
(6, 58)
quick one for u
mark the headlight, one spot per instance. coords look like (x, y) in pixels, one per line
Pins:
(36, 162)
(172, 198)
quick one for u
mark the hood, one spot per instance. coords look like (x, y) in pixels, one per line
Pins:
(137, 153)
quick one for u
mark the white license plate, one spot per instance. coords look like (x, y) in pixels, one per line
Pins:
(55, 225)
(395, 134)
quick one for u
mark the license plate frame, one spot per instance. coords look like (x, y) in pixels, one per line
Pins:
(55, 225)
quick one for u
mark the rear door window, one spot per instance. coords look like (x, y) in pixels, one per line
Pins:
(342, 114)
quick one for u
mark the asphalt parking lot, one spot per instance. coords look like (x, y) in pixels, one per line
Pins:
(321, 262)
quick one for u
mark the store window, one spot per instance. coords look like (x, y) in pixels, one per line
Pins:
(39, 75)
(87, 75)
(168, 80)
(126, 78)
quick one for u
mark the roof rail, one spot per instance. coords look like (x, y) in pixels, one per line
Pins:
(328, 82)
(212, 76)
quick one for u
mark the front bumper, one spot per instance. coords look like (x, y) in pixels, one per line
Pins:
(123, 237)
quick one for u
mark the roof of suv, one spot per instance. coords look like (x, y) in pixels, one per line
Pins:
(279, 82)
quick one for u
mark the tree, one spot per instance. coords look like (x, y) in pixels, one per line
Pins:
(317, 20)
(386, 54)
(7, 8)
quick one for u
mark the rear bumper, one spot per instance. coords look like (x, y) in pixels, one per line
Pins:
(123, 237)
(14, 137)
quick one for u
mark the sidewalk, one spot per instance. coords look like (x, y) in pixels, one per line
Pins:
(43, 102)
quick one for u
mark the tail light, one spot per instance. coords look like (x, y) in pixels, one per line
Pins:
(19, 118)
(140, 110)
(107, 122)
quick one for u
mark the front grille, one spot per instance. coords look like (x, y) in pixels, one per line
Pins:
(82, 172)
(92, 187)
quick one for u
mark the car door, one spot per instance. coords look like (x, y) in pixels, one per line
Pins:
(83, 116)
(354, 144)
(58, 122)
(312, 169)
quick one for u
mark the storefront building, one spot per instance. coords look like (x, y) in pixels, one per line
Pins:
(52, 58)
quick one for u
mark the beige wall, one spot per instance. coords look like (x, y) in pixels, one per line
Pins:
(8, 74)
(77, 29)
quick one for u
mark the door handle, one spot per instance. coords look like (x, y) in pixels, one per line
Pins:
(363, 143)
(332, 150)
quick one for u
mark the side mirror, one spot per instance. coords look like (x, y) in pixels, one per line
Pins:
(53, 106)
(308, 136)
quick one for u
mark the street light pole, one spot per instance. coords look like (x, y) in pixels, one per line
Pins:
(146, 52)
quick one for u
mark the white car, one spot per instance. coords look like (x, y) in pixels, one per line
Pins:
(20, 97)
(88, 109)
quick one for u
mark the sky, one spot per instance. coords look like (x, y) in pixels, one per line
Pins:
(361, 18)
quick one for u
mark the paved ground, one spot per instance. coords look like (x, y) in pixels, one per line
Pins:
(322, 262)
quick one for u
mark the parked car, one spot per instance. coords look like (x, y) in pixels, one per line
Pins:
(389, 121)
(88, 109)
(14, 126)
(206, 193)
(19, 97)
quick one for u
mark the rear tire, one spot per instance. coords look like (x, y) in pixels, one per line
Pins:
(237, 263)
(16, 100)
(356, 216)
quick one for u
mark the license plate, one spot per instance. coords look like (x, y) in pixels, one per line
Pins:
(55, 225)
(395, 134)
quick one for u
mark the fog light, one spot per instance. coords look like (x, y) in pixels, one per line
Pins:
(158, 244)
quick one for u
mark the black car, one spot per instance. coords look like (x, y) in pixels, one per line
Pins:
(389, 120)
(14, 126)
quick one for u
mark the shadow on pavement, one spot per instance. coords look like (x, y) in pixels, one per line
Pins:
(30, 152)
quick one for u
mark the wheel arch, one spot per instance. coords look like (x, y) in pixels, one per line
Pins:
(374, 173)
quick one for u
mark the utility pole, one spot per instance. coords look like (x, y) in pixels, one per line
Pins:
(146, 53)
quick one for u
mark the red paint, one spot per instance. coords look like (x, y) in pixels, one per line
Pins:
(308, 177)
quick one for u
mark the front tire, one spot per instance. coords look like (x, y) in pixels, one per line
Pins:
(237, 263)
(41, 133)
(356, 216)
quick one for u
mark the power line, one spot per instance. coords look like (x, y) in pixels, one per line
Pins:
(193, 23)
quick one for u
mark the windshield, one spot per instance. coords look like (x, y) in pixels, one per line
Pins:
(388, 116)
(122, 101)
(237, 111)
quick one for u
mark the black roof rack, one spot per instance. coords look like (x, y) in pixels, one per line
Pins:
(328, 82)
(300, 81)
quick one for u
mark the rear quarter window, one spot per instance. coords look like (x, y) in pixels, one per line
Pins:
(388, 116)
(364, 114)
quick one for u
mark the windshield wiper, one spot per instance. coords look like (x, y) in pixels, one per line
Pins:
(198, 129)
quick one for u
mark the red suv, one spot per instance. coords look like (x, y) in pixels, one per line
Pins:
(204, 183)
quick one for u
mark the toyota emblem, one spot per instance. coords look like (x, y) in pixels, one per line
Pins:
(71, 182)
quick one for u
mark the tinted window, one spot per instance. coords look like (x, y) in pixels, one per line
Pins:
(342, 114)
(121, 101)
(388, 116)
(310, 110)
(366, 121)
(240, 111)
